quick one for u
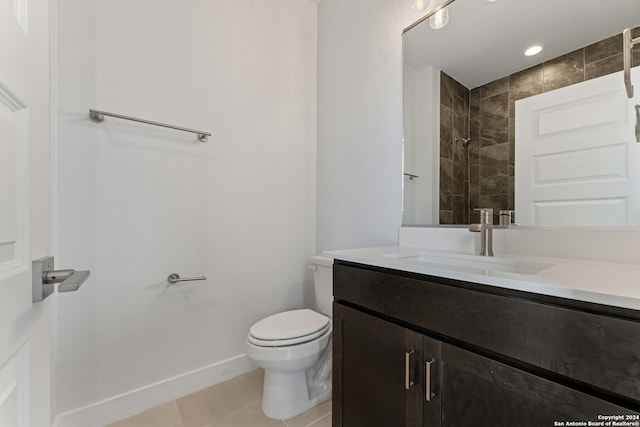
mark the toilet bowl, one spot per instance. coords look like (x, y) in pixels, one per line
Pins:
(294, 348)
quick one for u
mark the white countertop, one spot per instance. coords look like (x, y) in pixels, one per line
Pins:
(608, 283)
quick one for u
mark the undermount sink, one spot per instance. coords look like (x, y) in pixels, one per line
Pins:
(469, 263)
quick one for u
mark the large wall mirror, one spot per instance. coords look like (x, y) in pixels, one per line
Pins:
(549, 136)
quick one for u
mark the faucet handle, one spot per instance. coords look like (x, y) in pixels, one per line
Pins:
(486, 215)
(507, 217)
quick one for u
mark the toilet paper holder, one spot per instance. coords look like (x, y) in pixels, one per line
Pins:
(175, 278)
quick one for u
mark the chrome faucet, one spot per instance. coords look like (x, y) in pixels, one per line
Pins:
(485, 228)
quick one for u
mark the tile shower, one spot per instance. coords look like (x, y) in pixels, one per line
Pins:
(481, 173)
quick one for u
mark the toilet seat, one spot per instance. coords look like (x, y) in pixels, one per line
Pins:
(288, 328)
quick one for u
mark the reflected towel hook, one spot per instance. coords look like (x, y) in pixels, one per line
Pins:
(411, 176)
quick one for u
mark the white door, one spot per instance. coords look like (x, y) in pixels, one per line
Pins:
(25, 349)
(577, 161)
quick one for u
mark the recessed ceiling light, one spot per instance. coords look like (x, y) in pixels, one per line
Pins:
(533, 50)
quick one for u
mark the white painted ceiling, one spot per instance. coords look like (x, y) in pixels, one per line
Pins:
(486, 40)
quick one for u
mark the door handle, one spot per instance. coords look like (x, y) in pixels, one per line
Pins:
(70, 280)
(44, 278)
(637, 107)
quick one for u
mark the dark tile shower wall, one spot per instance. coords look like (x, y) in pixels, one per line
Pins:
(493, 131)
(490, 122)
(454, 126)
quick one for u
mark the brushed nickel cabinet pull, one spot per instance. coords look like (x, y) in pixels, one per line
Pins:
(427, 382)
(407, 370)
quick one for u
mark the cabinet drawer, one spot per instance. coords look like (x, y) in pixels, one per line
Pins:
(480, 391)
(597, 350)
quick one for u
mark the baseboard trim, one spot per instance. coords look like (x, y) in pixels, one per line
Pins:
(135, 401)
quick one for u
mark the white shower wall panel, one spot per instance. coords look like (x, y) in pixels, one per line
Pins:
(136, 203)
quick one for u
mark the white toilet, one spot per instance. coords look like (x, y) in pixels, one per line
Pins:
(294, 348)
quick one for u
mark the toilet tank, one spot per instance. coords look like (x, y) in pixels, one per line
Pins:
(322, 267)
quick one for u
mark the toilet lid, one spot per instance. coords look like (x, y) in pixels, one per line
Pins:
(289, 327)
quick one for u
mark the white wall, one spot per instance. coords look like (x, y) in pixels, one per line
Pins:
(136, 203)
(409, 185)
(421, 145)
(360, 121)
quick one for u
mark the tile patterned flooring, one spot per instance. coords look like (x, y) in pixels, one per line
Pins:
(233, 403)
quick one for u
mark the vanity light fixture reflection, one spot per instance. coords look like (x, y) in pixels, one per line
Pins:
(421, 4)
(439, 19)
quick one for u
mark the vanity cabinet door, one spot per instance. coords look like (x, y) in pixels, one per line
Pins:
(477, 391)
(377, 371)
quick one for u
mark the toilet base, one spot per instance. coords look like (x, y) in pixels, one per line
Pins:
(286, 395)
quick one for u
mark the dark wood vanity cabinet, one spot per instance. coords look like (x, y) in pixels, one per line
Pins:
(375, 357)
(412, 350)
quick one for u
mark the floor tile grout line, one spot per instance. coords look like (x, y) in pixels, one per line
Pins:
(175, 405)
(315, 421)
(246, 406)
(234, 413)
(251, 404)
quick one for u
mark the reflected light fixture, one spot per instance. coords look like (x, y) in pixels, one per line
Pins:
(533, 50)
(421, 4)
(439, 19)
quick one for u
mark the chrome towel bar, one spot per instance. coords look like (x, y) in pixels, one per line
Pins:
(98, 117)
(175, 278)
